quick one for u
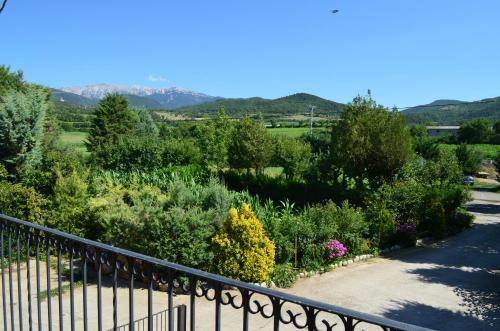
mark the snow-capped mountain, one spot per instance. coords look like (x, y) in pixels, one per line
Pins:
(169, 97)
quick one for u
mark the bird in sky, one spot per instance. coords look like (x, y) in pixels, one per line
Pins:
(335, 11)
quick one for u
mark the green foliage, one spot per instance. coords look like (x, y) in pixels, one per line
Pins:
(145, 125)
(469, 159)
(478, 131)
(445, 113)
(434, 219)
(213, 139)
(293, 155)
(370, 142)
(70, 210)
(283, 275)
(112, 124)
(321, 223)
(382, 222)
(176, 225)
(22, 124)
(424, 146)
(23, 202)
(180, 152)
(241, 248)
(3, 173)
(10, 81)
(130, 153)
(293, 104)
(250, 146)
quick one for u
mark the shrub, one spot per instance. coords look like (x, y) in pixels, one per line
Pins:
(320, 223)
(142, 218)
(335, 249)
(461, 220)
(406, 233)
(434, 219)
(382, 223)
(23, 202)
(283, 275)
(241, 248)
(70, 204)
(3, 173)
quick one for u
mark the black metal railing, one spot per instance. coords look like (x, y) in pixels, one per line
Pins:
(159, 321)
(100, 287)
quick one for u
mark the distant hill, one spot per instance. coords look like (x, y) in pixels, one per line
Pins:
(453, 112)
(71, 98)
(291, 105)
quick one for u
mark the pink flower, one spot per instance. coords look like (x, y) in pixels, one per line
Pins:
(335, 249)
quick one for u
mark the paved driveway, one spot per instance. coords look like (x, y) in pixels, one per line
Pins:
(450, 285)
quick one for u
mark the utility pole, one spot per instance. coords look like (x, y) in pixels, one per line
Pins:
(311, 122)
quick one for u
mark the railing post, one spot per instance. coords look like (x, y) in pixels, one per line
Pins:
(181, 318)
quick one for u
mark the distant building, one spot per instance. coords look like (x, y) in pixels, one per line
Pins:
(437, 131)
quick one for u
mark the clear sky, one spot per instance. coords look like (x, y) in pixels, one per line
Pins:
(407, 52)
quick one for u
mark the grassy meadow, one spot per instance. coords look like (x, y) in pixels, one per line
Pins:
(489, 151)
(74, 140)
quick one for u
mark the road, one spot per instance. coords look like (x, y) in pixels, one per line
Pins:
(450, 285)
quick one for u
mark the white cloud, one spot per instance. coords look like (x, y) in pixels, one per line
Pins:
(154, 78)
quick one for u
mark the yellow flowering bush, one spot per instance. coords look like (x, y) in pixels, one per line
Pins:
(241, 248)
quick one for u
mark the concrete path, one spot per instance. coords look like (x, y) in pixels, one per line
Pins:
(450, 285)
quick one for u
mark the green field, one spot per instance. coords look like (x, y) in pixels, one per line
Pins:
(74, 140)
(489, 151)
(292, 132)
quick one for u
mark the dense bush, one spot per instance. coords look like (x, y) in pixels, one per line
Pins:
(70, 208)
(23, 202)
(175, 225)
(283, 275)
(321, 223)
(241, 248)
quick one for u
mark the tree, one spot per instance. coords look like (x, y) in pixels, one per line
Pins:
(495, 139)
(478, 131)
(293, 155)
(469, 159)
(250, 146)
(146, 125)
(113, 123)
(213, 139)
(424, 146)
(10, 81)
(370, 142)
(22, 128)
(70, 203)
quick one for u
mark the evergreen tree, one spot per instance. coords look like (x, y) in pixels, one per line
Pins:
(112, 123)
(10, 81)
(22, 128)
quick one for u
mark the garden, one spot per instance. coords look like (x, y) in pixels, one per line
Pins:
(198, 194)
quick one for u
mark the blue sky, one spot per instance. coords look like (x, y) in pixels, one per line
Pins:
(407, 52)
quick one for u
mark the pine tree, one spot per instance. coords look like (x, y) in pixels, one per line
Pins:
(22, 127)
(112, 123)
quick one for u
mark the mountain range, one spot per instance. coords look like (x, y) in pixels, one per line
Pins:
(138, 96)
(195, 104)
